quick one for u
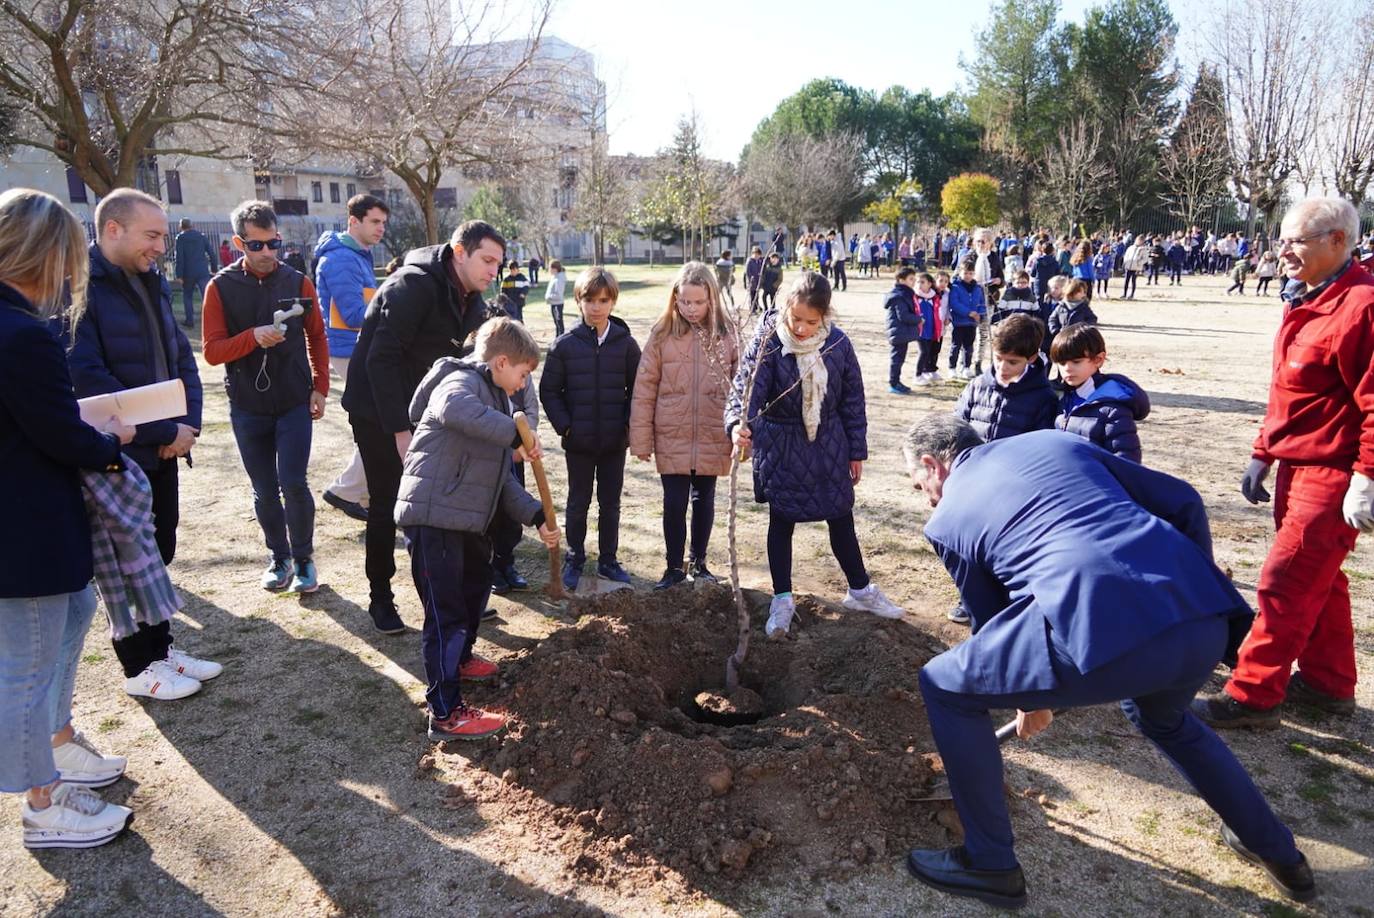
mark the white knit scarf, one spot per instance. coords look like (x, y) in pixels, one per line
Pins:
(811, 368)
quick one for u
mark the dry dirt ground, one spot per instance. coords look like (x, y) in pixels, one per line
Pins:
(301, 783)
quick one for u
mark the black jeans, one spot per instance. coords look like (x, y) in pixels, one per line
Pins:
(844, 542)
(1128, 285)
(556, 310)
(504, 530)
(770, 298)
(930, 353)
(382, 464)
(1262, 286)
(453, 579)
(961, 339)
(841, 279)
(1175, 273)
(678, 492)
(150, 643)
(1152, 274)
(605, 472)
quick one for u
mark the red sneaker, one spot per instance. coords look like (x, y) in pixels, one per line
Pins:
(465, 723)
(478, 669)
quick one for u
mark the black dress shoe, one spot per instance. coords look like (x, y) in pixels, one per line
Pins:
(1293, 880)
(385, 619)
(947, 870)
(1300, 691)
(346, 507)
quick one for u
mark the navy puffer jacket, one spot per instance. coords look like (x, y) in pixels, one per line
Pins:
(1107, 417)
(1066, 314)
(803, 480)
(113, 350)
(586, 388)
(996, 411)
(903, 318)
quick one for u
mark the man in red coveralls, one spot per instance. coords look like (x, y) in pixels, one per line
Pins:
(1319, 426)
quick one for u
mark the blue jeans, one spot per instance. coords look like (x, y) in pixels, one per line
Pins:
(190, 286)
(40, 644)
(1157, 680)
(275, 452)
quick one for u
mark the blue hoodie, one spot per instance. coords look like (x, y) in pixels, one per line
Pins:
(965, 298)
(1107, 416)
(345, 282)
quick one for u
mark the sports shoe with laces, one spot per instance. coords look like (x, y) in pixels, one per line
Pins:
(76, 818)
(385, 619)
(572, 572)
(510, 574)
(161, 682)
(871, 599)
(671, 577)
(198, 669)
(899, 389)
(699, 572)
(465, 723)
(478, 669)
(277, 577)
(78, 762)
(304, 580)
(611, 570)
(780, 612)
(959, 615)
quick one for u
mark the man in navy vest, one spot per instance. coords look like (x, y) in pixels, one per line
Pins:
(1089, 579)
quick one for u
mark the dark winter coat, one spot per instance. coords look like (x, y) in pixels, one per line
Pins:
(417, 316)
(996, 411)
(1016, 300)
(1108, 416)
(113, 350)
(903, 318)
(803, 480)
(1066, 314)
(965, 298)
(45, 537)
(268, 381)
(586, 388)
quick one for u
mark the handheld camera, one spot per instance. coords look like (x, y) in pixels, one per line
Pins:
(296, 306)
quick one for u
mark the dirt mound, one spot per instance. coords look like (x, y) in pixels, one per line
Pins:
(610, 743)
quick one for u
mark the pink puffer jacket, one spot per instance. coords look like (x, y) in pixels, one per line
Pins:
(679, 402)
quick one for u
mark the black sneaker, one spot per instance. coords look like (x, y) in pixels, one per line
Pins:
(347, 507)
(671, 578)
(489, 614)
(699, 572)
(1300, 691)
(611, 570)
(385, 619)
(1293, 880)
(499, 584)
(1222, 712)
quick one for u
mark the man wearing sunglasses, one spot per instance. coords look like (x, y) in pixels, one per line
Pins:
(1319, 428)
(277, 377)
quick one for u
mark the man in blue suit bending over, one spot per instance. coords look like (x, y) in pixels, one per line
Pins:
(1089, 579)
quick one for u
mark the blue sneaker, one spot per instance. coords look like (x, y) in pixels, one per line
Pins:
(572, 572)
(305, 580)
(611, 570)
(899, 389)
(277, 577)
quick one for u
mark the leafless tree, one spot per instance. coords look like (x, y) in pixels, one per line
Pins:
(1264, 53)
(1071, 180)
(1195, 165)
(1350, 141)
(106, 85)
(1131, 153)
(798, 179)
(603, 199)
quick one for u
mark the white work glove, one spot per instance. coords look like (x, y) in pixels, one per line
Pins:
(1358, 506)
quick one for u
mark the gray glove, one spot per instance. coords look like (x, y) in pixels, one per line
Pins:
(1252, 482)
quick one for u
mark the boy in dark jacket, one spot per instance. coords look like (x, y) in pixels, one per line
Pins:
(586, 390)
(515, 289)
(966, 305)
(1013, 396)
(903, 326)
(457, 473)
(1101, 407)
(771, 280)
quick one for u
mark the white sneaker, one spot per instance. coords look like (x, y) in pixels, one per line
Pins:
(162, 682)
(968, 373)
(871, 599)
(934, 376)
(78, 762)
(780, 613)
(922, 380)
(198, 669)
(76, 818)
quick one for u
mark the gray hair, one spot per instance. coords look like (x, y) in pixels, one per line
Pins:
(119, 206)
(257, 213)
(941, 435)
(1315, 215)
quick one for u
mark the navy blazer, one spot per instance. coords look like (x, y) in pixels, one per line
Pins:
(45, 537)
(1046, 532)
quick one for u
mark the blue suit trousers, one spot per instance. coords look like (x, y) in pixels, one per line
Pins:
(1157, 681)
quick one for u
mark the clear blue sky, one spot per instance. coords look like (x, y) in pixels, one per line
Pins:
(735, 64)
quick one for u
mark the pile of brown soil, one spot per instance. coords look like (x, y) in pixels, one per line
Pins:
(610, 756)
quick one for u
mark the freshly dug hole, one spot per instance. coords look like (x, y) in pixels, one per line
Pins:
(602, 759)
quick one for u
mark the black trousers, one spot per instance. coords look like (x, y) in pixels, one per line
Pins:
(556, 310)
(841, 279)
(150, 643)
(930, 353)
(844, 542)
(453, 580)
(1129, 283)
(679, 491)
(382, 465)
(504, 530)
(896, 358)
(604, 473)
(961, 338)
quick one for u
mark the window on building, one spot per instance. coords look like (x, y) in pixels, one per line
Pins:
(76, 189)
(173, 177)
(352, 189)
(317, 192)
(333, 192)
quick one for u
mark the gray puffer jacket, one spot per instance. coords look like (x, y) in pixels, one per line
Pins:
(458, 467)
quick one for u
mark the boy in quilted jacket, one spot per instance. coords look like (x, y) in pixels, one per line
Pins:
(806, 421)
(684, 378)
(1101, 407)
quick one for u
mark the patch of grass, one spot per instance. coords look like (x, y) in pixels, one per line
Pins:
(93, 658)
(1298, 749)
(109, 725)
(1148, 822)
(1279, 910)
(1317, 791)
(1354, 574)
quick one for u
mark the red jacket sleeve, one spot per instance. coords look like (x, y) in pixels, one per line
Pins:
(316, 342)
(216, 344)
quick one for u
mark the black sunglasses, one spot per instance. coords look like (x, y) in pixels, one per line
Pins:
(257, 245)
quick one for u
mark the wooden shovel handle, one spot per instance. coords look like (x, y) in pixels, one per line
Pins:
(542, 480)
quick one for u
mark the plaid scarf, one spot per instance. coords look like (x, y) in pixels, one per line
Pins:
(129, 572)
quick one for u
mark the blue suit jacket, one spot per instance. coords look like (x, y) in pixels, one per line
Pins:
(1047, 532)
